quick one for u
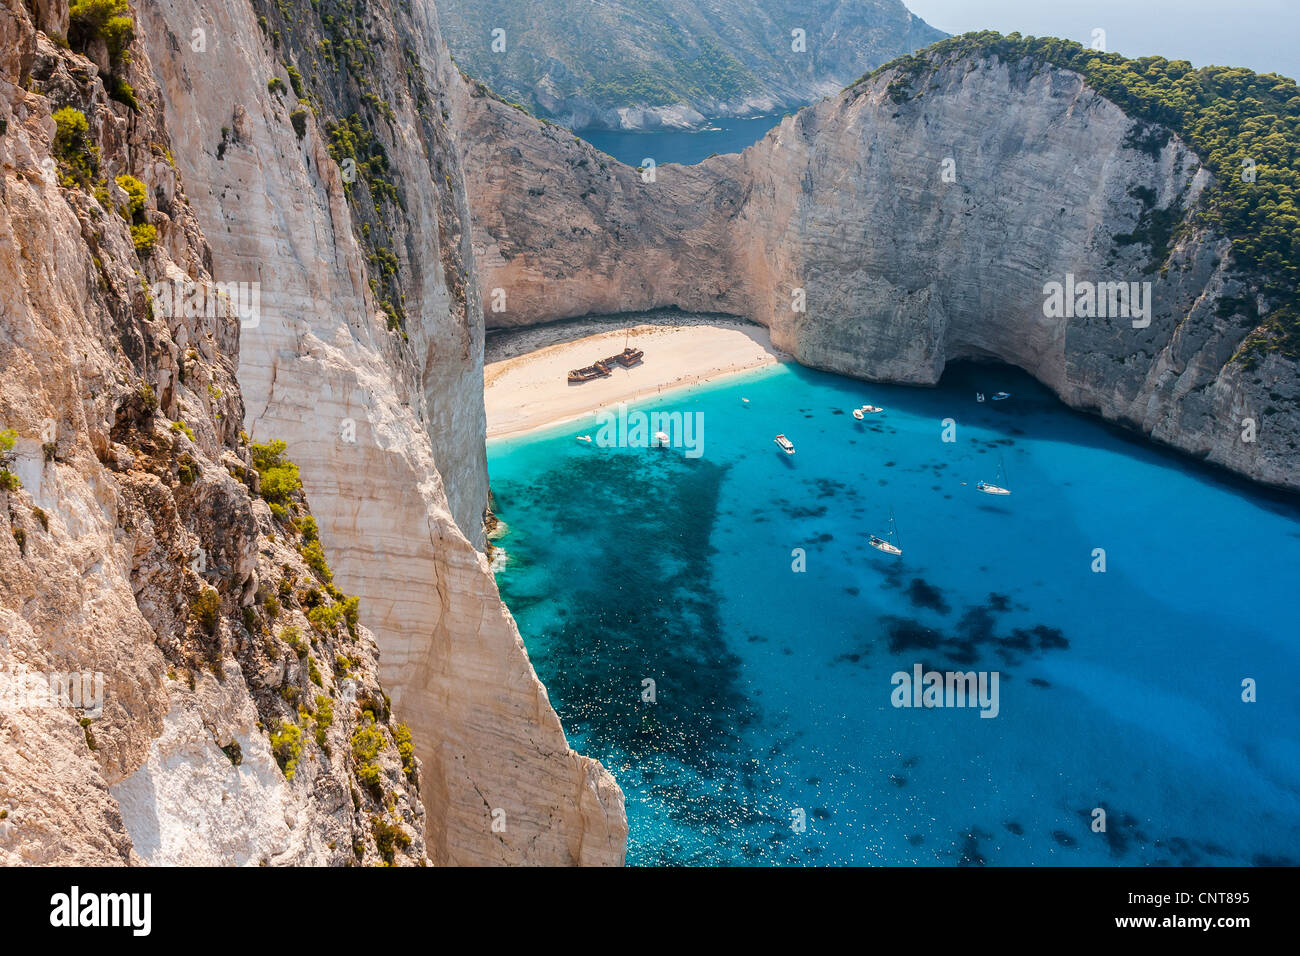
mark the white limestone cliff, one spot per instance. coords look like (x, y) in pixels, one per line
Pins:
(400, 507)
(905, 269)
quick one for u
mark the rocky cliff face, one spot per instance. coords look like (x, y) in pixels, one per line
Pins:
(313, 231)
(314, 141)
(177, 681)
(629, 64)
(920, 229)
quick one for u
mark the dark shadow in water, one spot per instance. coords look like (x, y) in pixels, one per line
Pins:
(659, 622)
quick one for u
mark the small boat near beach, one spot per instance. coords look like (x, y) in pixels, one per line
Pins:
(889, 543)
(1001, 396)
(872, 409)
(661, 440)
(857, 413)
(784, 444)
(585, 438)
(993, 488)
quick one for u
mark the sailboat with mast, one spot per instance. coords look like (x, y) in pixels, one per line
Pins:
(995, 487)
(888, 544)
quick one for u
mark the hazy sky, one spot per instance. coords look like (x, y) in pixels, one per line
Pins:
(1263, 35)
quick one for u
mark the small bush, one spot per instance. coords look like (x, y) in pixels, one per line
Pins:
(325, 617)
(275, 86)
(136, 195)
(367, 744)
(124, 93)
(352, 614)
(313, 554)
(8, 480)
(77, 156)
(388, 838)
(148, 400)
(286, 744)
(299, 120)
(324, 718)
(234, 752)
(206, 609)
(42, 517)
(293, 637)
(179, 427)
(107, 20)
(406, 748)
(280, 479)
(90, 738)
(145, 238)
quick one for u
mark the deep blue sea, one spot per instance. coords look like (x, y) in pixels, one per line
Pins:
(1118, 690)
(680, 146)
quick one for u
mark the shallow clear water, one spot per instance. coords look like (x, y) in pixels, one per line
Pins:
(680, 146)
(1119, 690)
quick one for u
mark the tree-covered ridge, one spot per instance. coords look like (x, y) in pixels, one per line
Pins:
(1245, 127)
(580, 63)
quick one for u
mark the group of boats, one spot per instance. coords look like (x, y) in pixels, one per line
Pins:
(889, 544)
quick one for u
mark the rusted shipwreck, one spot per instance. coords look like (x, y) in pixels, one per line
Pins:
(600, 369)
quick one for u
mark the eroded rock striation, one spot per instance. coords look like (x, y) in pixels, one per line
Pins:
(921, 228)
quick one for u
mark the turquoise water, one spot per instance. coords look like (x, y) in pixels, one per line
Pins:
(1119, 690)
(680, 146)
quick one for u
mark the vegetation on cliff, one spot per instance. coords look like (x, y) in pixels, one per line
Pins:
(1245, 127)
(558, 57)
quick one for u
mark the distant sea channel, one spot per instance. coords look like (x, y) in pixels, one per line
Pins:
(680, 146)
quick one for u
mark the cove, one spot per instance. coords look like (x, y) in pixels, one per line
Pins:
(1119, 690)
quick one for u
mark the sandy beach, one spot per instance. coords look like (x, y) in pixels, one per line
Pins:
(525, 376)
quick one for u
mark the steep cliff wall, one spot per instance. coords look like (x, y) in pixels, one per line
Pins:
(177, 681)
(315, 144)
(921, 228)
